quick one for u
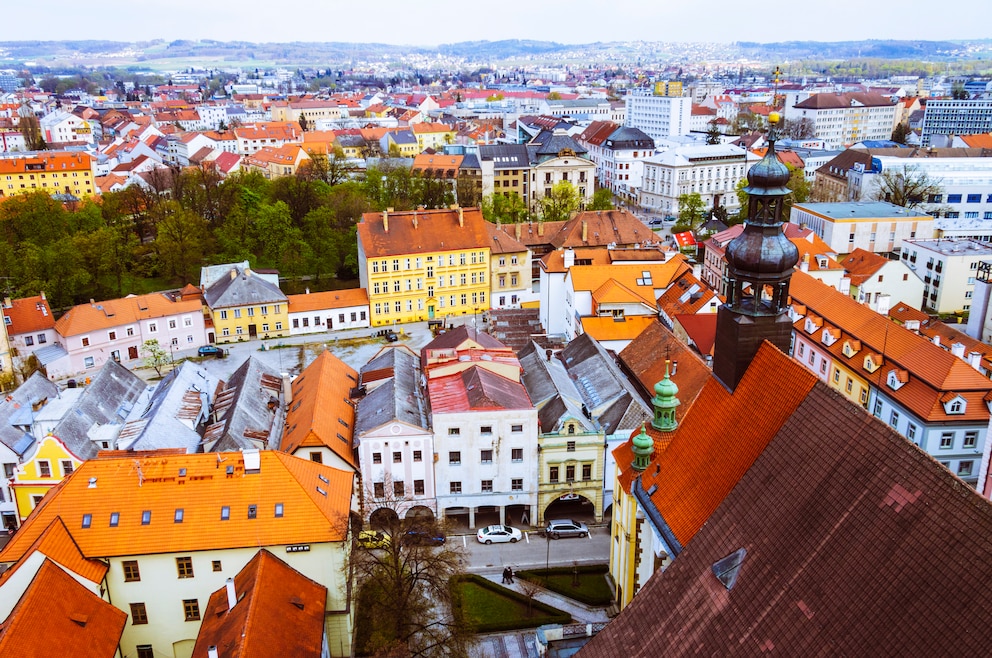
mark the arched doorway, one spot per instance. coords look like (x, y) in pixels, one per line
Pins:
(420, 514)
(571, 506)
(383, 519)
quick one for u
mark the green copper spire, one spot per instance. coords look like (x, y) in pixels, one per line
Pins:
(643, 449)
(665, 402)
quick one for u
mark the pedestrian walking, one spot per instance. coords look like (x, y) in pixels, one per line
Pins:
(507, 575)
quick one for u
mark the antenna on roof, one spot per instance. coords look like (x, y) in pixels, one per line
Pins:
(141, 477)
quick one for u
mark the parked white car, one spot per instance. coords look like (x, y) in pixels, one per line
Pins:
(498, 533)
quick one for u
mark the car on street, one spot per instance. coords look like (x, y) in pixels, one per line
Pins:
(495, 534)
(423, 536)
(211, 350)
(558, 528)
(373, 539)
(657, 221)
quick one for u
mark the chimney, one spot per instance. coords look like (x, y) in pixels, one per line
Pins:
(804, 264)
(936, 341)
(975, 360)
(43, 298)
(516, 231)
(232, 595)
(212, 651)
(414, 219)
(540, 228)
(234, 273)
(957, 349)
(6, 302)
(547, 353)
(287, 389)
(569, 258)
(585, 231)
(461, 217)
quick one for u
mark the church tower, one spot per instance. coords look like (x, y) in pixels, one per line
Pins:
(759, 267)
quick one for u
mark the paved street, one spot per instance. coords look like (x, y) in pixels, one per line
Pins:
(534, 550)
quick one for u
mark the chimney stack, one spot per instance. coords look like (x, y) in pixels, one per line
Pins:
(212, 651)
(461, 217)
(516, 231)
(540, 228)
(585, 231)
(287, 389)
(804, 264)
(975, 360)
(43, 298)
(232, 595)
(414, 219)
(385, 220)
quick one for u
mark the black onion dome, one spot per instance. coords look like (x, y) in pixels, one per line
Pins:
(769, 176)
(761, 251)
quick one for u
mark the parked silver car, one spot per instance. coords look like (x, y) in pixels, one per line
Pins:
(558, 528)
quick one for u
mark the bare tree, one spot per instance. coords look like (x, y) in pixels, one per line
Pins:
(908, 186)
(402, 583)
(530, 589)
(802, 128)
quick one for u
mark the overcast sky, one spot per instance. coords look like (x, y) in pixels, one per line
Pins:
(433, 22)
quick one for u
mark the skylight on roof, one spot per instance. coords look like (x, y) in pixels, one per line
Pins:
(727, 569)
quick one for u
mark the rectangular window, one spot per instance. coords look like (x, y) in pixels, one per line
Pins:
(237, 313)
(418, 456)
(139, 615)
(145, 651)
(970, 439)
(965, 468)
(398, 489)
(894, 418)
(131, 571)
(487, 457)
(516, 428)
(115, 518)
(517, 484)
(280, 508)
(455, 457)
(191, 609)
(486, 429)
(397, 457)
(570, 473)
(947, 440)
(974, 198)
(252, 511)
(878, 408)
(184, 567)
(85, 341)
(553, 474)
(225, 513)
(379, 490)
(146, 517)
(953, 198)
(454, 431)
(487, 486)
(570, 446)
(418, 487)
(587, 471)
(44, 468)
(517, 454)
(215, 565)
(177, 517)
(455, 487)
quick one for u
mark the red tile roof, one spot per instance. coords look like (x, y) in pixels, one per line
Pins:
(423, 231)
(28, 314)
(56, 615)
(476, 389)
(279, 612)
(331, 299)
(321, 401)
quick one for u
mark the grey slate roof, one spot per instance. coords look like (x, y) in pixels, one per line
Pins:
(242, 287)
(628, 137)
(211, 273)
(505, 156)
(17, 407)
(103, 407)
(248, 411)
(547, 145)
(398, 399)
(172, 414)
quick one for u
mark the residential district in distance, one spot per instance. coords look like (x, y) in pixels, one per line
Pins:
(736, 326)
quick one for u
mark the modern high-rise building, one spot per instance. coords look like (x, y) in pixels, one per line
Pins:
(660, 117)
(956, 117)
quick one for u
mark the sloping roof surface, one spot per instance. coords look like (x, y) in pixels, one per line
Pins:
(857, 543)
(18, 404)
(645, 359)
(241, 287)
(29, 314)
(435, 230)
(55, 614)
(158, 483)
(266, 589)
(400, 398)
(321, 413)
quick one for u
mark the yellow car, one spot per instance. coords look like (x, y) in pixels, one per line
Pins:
(373, 539)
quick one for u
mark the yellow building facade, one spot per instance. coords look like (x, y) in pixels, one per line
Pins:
(50, 463)
(424, 265)
(244, 306)
(55, 172)
(571, 463)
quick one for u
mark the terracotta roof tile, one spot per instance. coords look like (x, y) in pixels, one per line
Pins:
(55, 615)
(140, 483)
(85, 318)
(435, 230)
(29, 314)
(331, 299)
(321, 401)
(266, 588)
(644, 358)
(605, 328)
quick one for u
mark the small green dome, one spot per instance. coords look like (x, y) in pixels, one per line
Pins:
(642, 441)
(666, 388)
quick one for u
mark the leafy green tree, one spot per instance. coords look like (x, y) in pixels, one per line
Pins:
(554, 96)
(500, 208)
(155, 355)
(283, 246)
(602, 199)
(182, 242)
(691, 210)
(561, 203)
(34, 140)
(900, 133)
(330, 168)
(958, 92)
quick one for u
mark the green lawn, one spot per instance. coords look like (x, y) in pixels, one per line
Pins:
(592, 587)
(488, 607)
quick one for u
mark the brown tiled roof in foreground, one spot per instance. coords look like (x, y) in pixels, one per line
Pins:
(279, 612)
(857, 543)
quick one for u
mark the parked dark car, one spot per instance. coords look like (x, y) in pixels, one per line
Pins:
(211, 350)
(388, 334)
(423, 536)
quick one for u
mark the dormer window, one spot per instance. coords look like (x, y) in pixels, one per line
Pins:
(850, 348)
(896, 378)
(956, 405)
(811, 325)
(872, 362)
(829, 336)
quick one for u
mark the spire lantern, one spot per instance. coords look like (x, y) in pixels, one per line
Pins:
(643, 449)
(665, 402)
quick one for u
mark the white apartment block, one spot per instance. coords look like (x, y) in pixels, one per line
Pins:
(660, 117)
(956, 117)
(963, 207)
(844, 119)
(712, 170)
(948, 269)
